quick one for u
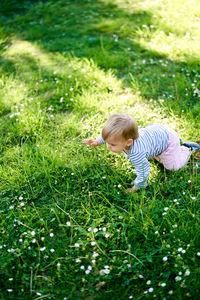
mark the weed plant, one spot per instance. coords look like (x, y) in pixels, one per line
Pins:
(68, 230)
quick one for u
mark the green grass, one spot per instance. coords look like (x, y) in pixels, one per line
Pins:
(65, 66)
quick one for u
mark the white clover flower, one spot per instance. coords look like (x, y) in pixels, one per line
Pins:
(52, 250)
(183, 251)
(180, 273)
(106, 271)
(51, 234)
(32, 233)
(34, 241)
(107, 235)
(76, 245)
(89, 229)
(95, 254)
(43, 248)
(141, 276)
(42, 238)
(95, 229)
(163, 284)
(93, 243)
(22, 204)
(21, 198)
(165, 258)
(82, 267)
(178, 278)
(68, 223)
(187, 273)
(148, 282)
(150, 290)
(175, 226)
(104, 229)
(119, 185)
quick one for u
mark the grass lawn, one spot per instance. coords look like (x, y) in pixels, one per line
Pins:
(68, 230)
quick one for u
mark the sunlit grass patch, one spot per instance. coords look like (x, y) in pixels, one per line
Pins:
(68, 228)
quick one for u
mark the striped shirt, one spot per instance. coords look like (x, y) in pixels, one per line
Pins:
(152, 141)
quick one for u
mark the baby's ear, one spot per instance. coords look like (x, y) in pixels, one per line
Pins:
(129, 142)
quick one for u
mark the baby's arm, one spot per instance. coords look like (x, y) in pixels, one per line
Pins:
(92, 142)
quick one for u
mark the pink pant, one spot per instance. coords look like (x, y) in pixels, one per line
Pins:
(175, 156)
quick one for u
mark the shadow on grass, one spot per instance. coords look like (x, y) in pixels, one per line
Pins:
(108, 35)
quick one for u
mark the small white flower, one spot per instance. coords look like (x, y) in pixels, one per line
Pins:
(9, 290)
(180, 249)
(68, 223)
(58, 264)
(93, 261)
(89, 268)
(42, 249)
(71, 89)
(148, 282)
(170, 292)
(104, 229)
(77, 260)
(95, 229)
(76, 245)
(198, 253)
(20, 240)
(187, 273)
(128, 265)
(11, 207)
(34, 241)
(87, 272)
(156, 232)
(95, 254)
(38, 294)
(22, 204)
(82, 267)
(183, 251)
(89, 229)
(164, 213)
(106, 271)
(106, 267)
(107, 235)
(20, 198)
(141, 276)
(163, 284)
(166, 208)
(52, 250)
(51, 234)
(178, 278)
(10, 279)
(32, 233)
(165, 258)
(93, 243)
(150, 290)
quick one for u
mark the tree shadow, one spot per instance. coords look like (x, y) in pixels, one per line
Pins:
(108, 35)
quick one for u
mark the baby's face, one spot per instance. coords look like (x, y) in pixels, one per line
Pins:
(116, 143)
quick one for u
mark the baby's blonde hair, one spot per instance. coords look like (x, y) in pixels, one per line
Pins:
(120, 124)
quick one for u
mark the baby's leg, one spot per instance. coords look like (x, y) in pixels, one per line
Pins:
(175, 156)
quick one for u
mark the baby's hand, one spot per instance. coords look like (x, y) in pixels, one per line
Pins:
(92, 142)
(133, 189)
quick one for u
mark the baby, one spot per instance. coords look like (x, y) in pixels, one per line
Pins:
(121, 134)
